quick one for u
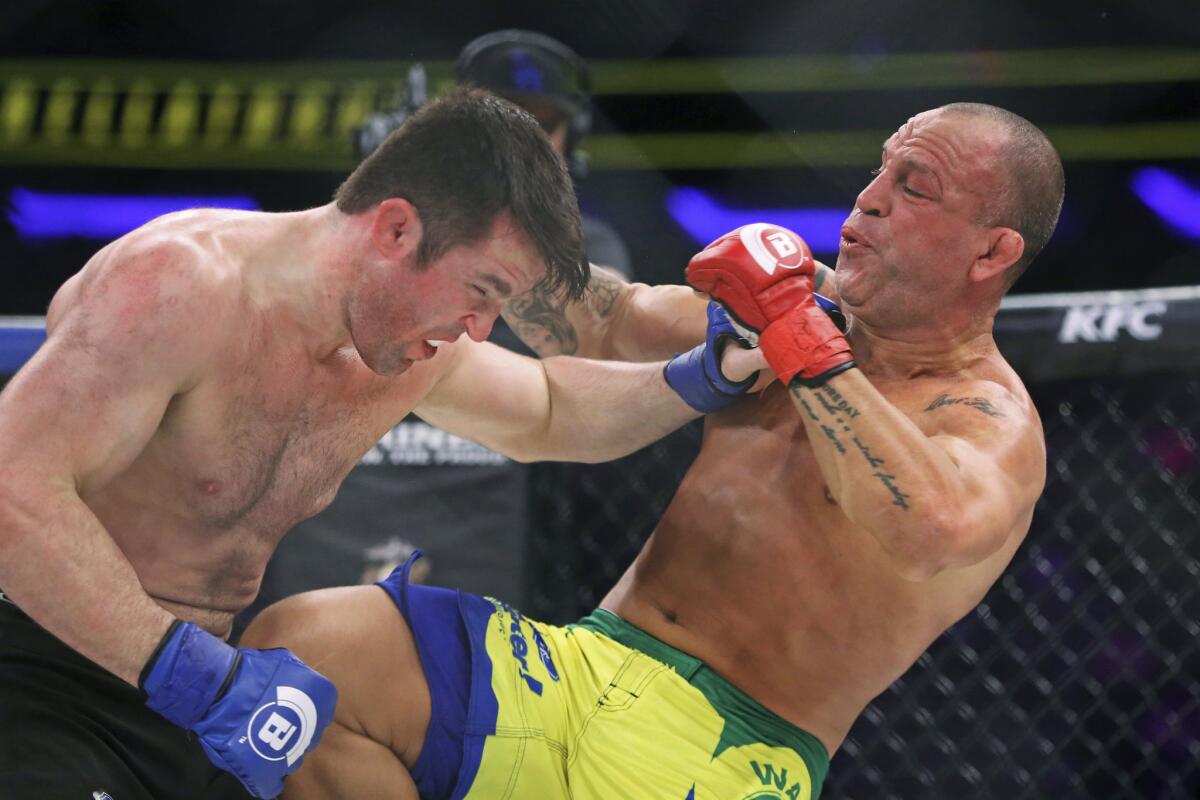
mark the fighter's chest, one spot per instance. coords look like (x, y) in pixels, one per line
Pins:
(280, 436)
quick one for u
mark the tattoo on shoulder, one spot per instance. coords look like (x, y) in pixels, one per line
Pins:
(602, 291)
(981, 404)
(539, 318)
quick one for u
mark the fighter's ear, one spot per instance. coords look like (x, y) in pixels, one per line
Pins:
(396, 228)
(1004, 247)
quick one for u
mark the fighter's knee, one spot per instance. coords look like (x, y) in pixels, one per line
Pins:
(308, 624)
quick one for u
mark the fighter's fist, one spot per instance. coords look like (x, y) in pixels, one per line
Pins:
(763, 275)
(256, 712)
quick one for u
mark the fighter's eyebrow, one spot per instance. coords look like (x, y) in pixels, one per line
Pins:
(500, 285)
(912, 164)
(916, 166)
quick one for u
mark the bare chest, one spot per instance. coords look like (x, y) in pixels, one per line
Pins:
(267, 445)
(756, 502)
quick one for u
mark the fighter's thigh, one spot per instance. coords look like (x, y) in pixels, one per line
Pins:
(357, 638)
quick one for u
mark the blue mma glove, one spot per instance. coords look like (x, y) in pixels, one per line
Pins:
(256, 712)
(696, 375)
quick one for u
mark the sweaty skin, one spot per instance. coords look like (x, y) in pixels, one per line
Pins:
(823, 538)
(203, 388)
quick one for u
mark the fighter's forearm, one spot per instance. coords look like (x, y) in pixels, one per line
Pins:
(63, 569)
(615, 320)
(883, 471)
(599, 411)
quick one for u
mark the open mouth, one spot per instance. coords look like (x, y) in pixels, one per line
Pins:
(852, 239)
(429, 347)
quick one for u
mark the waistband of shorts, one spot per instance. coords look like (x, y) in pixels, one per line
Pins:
(746, 719)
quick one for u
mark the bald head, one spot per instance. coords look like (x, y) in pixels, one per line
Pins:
(1032, 184)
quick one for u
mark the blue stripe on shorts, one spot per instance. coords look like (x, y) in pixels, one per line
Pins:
(449, 627)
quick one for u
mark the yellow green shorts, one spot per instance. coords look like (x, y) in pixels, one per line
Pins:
(598, 710)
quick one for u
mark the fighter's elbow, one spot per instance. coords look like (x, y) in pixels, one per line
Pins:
(942, 542)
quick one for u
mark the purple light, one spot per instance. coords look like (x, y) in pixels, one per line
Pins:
(41, 215)
(705, 219)
(1171, 197)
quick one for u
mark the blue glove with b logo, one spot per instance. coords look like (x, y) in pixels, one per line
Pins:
(256, 712)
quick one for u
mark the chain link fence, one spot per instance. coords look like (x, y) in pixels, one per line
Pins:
(1079, 674)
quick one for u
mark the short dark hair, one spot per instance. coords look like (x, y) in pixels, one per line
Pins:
(1032, 195)
(464, 159)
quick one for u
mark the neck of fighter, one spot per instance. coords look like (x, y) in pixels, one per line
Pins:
(303, 274)
(939, 347)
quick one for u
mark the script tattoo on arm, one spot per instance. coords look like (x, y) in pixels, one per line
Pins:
(981, 404)
(839, 413)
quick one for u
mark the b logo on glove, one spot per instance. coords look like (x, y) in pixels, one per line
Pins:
(291, 711)
(772, 248)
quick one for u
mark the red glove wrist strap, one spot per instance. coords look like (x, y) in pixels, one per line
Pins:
(804, 344)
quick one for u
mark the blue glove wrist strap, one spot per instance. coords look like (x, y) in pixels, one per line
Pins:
(685, 374)
(189, 671)
(696, 375)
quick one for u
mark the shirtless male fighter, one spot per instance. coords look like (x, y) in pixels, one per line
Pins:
(207, 382)
(829, 530)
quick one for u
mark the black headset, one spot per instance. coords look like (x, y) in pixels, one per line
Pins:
(512, 63)
(522, 64)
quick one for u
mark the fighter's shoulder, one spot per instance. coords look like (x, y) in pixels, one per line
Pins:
(151, 276)
(985, 403)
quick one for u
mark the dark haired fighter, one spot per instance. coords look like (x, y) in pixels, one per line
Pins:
(207, 382)
(829, 530)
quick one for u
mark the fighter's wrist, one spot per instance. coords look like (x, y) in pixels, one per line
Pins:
(700, 383)
(188, 671)
(805, 346)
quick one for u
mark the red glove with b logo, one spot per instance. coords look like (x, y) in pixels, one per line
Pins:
(763, 276)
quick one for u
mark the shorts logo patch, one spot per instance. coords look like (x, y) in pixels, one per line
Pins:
(544, 654)
(520, 649)
(776, 781)
(290, 719)
(100, 794)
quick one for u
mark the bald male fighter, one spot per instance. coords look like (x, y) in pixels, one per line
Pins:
(207, 382)
(829, 530)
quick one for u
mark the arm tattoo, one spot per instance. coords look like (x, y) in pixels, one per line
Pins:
(811, 414)
(841, 412)
(539, 318)
(840, 403)
(832, 437)
(866, 451)
(822, 273)
(899, 498)
(978, 403)
(602, 291)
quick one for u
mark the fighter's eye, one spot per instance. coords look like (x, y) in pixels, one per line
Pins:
(480, 289)
(909, 191)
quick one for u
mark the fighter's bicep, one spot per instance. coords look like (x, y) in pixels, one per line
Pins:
(91, 397)
(1000, 469)
(72, 411)
(489, 395)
